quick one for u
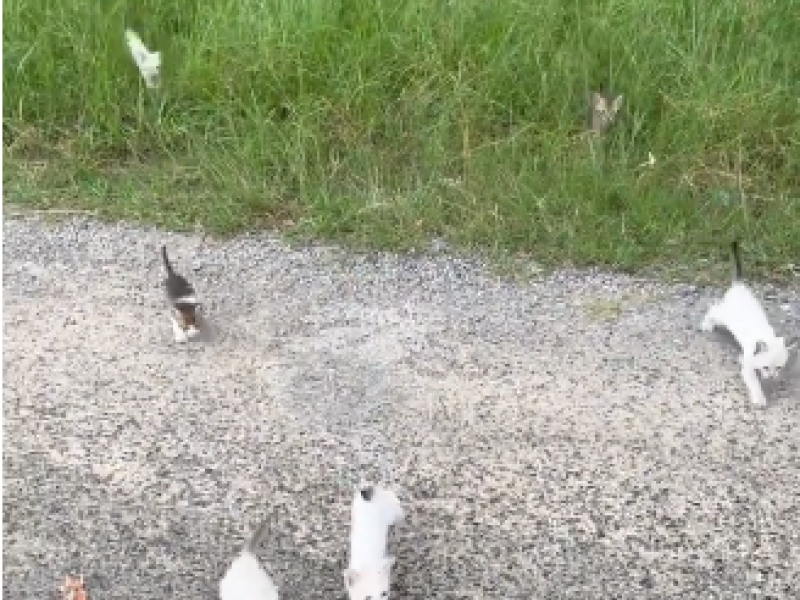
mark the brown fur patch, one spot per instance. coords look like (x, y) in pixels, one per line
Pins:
(187, 317)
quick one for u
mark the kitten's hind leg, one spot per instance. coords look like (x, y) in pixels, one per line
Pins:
(711, 320)
(177, 331)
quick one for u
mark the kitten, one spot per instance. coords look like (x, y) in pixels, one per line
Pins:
(182, 297)
(741, 313)
(149, 63)
(374, 511)
(603, 109)
(73, 589)
(246, 579)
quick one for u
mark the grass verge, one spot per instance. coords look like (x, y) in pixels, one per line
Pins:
(385, 124)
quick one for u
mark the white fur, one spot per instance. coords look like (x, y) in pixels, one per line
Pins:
(371, 582)
(180, 335)
(149, 63)
(369, 570)
(183, 335)
(185, 300)
(763, 352)
(246, 579)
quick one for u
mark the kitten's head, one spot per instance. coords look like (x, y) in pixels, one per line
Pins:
(771, 356)
(187, 318)
(603, 109)
(380, 502)
(73, 588)
(371, 583)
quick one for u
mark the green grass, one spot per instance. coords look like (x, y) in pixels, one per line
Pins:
(386, 123)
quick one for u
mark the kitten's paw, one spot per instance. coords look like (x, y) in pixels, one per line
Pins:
(177, 332)
(759, 400)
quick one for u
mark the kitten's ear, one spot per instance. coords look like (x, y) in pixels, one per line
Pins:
(616, 105)
(351, 577)
(598, 102)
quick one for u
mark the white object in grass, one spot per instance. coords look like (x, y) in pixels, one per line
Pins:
(149, 63)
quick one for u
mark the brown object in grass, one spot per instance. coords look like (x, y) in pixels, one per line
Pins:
(603, 109)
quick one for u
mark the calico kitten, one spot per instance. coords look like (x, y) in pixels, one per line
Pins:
(73, 589)
(603, 109)
(374, 511)
(182, 297)
(741, 313)
(246, 579)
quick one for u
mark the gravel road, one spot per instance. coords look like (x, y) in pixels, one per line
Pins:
(574, 436)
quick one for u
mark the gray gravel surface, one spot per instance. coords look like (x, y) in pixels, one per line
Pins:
(574, 436)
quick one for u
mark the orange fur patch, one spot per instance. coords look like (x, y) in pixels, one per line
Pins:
(73, 589)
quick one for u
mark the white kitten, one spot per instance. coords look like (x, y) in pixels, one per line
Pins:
(181, 296)
(375, 510)
(741, 313)
(149, 63)
(246, 579)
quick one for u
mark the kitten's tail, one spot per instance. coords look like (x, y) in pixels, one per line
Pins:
(737, 260)
(167, 264)
(134, 42)
(257, 537)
